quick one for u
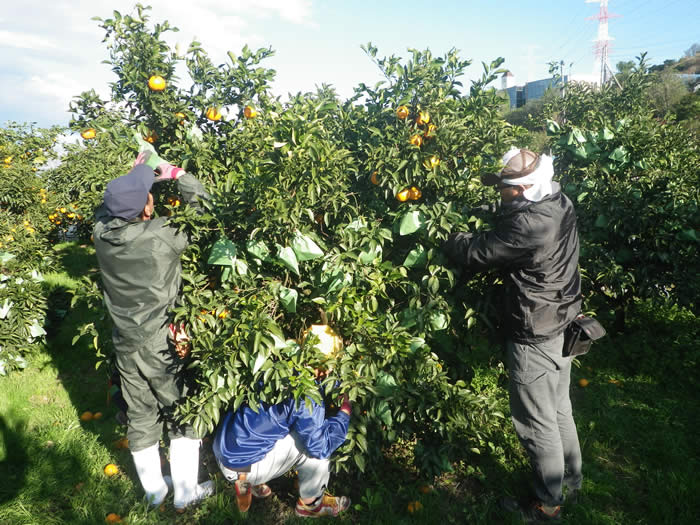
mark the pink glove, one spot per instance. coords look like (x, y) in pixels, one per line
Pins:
(346, 406)
(167, 171)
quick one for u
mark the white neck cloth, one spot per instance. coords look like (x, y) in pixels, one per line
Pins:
(540, 179)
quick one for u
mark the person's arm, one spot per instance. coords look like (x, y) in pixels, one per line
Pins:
(191, 189)
(503, 247)
(321, 437)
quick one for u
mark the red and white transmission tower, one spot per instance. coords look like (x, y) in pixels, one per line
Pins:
(602, 43)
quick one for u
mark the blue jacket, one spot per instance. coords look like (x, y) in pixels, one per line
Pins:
(244, 437)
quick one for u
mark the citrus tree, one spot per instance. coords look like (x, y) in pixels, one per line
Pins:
(323, 212)
(635, 182)
(25, 233)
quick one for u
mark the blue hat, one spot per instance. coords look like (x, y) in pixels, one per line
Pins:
(126, 196)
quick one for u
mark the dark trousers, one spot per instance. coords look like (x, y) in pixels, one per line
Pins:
(541, 411)
(151, 385)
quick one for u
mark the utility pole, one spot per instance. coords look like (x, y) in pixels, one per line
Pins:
(602, 43)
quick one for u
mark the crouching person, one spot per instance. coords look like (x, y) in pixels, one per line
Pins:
(253, 448)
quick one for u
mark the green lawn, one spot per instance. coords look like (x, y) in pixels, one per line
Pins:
(638, 422)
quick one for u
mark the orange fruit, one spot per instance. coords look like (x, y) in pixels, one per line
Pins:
(111, 469)
(422, 118)
(223, 314)
(583, 382)
(434, 161)
(113, 517)
(414, 506)
(87, 134)
(425, 489)
(181, 116)
(151, 137)
(402, 112)
(414, 193)
(86, 416)
(416, 140)
(373, 178)
(250, 112)
(8, 160)
(403, 195)
(213, 114)
(121, 443)
(430, 131)
(97, 415)
(156, 83)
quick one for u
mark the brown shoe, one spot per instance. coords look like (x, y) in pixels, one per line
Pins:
(244, 494)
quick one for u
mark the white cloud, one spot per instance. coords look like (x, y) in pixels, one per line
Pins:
(52, 51)
(25, 41)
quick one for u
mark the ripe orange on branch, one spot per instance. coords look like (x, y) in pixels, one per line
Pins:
(402, 112)
(156, 83)
(373, 178)
(250, 112)
(213, 114)
(86, 416)
(416, 140)
(403, 195)
(113, 517)
(423, 118)
(414, 193)
(151, 137)
(88, 133)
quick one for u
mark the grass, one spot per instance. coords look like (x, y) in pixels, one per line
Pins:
(638, 420)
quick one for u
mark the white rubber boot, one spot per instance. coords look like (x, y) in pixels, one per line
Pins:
(184, 469)
(147, 463)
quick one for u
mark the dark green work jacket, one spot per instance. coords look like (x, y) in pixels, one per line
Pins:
(140, 265)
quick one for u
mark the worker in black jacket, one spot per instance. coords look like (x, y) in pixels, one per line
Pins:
(535, 245)
(139, 258)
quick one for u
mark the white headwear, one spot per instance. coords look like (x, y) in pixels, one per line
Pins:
(540, 179)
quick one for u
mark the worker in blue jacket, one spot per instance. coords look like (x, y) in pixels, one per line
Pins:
(252, 448)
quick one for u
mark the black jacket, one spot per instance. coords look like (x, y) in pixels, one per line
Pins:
(536, 246)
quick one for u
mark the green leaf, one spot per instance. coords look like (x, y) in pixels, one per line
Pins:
(288, 298)
(369, 255)
(223, 253)
(619, 154)
(411, 222)
(6, 256)
(257, 249)
(305, 248)
(416, 257)
(438, 321)
(552, 127)
(688, 235)
(606, 134)
(287, 257)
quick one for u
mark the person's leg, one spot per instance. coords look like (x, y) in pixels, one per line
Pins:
(283, 457)
(144, 429)
(573, 476)
(534, 381)
(163, 370)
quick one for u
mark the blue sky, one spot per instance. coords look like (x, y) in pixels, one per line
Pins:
(52, 51)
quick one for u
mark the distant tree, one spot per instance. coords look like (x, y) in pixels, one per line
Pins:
(692, 50)
(666, 91)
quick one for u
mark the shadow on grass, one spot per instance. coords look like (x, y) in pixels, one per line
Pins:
(638, 421)
(76, 259)
(13, 469)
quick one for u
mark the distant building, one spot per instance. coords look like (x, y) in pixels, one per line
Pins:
(519, 95)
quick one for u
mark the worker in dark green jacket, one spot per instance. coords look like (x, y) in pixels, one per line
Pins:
(139, 258)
